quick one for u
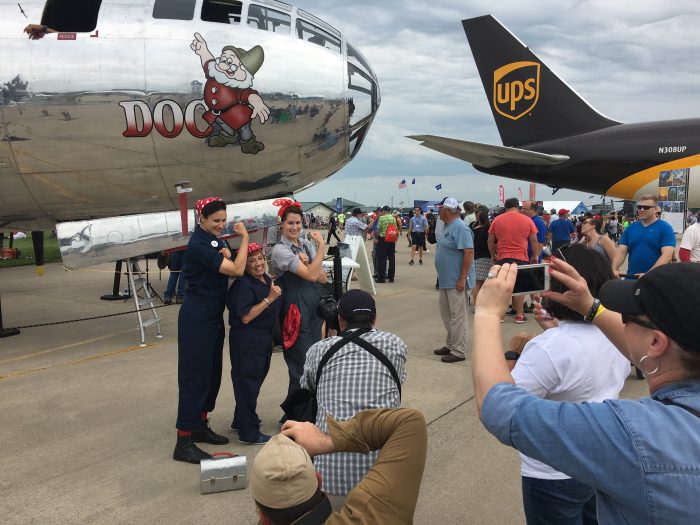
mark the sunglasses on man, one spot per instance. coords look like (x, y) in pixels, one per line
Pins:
(645, 208)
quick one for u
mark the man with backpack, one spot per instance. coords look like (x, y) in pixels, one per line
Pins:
(387, 235)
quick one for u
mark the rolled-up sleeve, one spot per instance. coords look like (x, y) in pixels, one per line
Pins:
(284, 260)
(579, 439)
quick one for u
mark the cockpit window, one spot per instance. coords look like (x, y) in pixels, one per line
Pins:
(222, 11)
(363, 90)
(71, 16)
(269, 19)
(313, 33)
(174, 9)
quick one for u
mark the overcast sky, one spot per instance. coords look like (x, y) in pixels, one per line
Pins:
(633, 61)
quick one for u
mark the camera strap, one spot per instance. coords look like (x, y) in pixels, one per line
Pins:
(354, 337)
(333, 349)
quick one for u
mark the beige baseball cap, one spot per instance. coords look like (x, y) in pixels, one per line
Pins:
(283, 474)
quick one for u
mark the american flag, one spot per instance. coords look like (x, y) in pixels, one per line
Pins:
(402, 184)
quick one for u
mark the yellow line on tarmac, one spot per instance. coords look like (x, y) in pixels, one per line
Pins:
(20, 373)
(64, 347)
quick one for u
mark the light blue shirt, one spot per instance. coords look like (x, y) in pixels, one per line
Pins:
(642, 457)
(451, 243)
(419, 224)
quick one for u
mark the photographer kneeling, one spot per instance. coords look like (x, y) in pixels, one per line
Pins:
(352, 380)
(639, 456)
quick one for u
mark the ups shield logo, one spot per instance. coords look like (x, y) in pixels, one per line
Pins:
(516, 89)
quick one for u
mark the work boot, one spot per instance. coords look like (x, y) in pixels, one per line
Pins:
(222, 139)
(251, 146)
(186, 450)
(207, 435)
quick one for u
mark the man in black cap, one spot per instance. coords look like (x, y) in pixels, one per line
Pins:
(354, 379)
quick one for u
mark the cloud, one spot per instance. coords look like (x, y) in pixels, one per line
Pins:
(634, 61)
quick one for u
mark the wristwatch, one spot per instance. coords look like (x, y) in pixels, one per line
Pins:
(593, 311)
(511, 355)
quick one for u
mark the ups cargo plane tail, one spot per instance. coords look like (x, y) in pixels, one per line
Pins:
(552, 136)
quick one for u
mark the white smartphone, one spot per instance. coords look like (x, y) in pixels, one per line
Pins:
(532, 278)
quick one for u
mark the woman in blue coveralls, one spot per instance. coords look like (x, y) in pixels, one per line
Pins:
(200, 328)
(252, 305)
(297, 267)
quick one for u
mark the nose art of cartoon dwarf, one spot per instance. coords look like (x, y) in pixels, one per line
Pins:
(232, 103)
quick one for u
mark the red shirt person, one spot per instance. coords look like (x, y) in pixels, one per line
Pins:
(509, 235)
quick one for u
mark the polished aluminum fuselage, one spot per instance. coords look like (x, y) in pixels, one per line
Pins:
(65, 106)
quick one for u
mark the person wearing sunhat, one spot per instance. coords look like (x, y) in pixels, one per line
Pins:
(287, 489)
(560, 231)
(253, 306)
(200, 327)
(232, 103)
(640, 456)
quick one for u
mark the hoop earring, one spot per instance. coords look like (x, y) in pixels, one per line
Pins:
(653, 371)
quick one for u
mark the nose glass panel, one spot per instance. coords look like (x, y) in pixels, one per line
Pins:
(363, 97)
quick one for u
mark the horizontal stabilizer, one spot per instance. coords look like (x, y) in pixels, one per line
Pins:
(487, 155)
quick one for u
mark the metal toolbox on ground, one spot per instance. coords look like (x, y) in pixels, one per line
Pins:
(223, 473)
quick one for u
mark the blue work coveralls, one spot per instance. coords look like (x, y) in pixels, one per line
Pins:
(200, 330)
(250, 347)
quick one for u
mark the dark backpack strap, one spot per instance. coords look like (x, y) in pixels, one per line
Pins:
(333, 349)
(688, 409)
(381, 357)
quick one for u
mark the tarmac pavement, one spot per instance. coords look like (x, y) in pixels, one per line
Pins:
(87, 415)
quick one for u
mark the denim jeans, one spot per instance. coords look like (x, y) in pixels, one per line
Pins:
(175, 280)
(558, 501)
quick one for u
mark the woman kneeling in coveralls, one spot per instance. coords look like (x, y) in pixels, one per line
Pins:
(253, 306)
(200, 328)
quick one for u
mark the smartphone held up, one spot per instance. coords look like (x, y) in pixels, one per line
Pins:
(531, 278)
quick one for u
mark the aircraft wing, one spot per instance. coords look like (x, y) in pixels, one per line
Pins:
(487, 155)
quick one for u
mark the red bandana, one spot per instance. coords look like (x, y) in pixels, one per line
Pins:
(284, 204)
(254, 247)
(201, 203)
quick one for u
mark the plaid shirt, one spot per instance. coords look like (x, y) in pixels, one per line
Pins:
(353, 380)
(354, 226)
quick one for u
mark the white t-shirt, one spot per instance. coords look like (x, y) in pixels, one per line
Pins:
(574, 362)
(691, 241)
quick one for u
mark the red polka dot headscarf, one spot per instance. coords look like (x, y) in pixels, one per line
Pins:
(254, 247)
(201, 203)
(285, 203)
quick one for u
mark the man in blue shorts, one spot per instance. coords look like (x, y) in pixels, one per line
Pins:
(649, 241)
